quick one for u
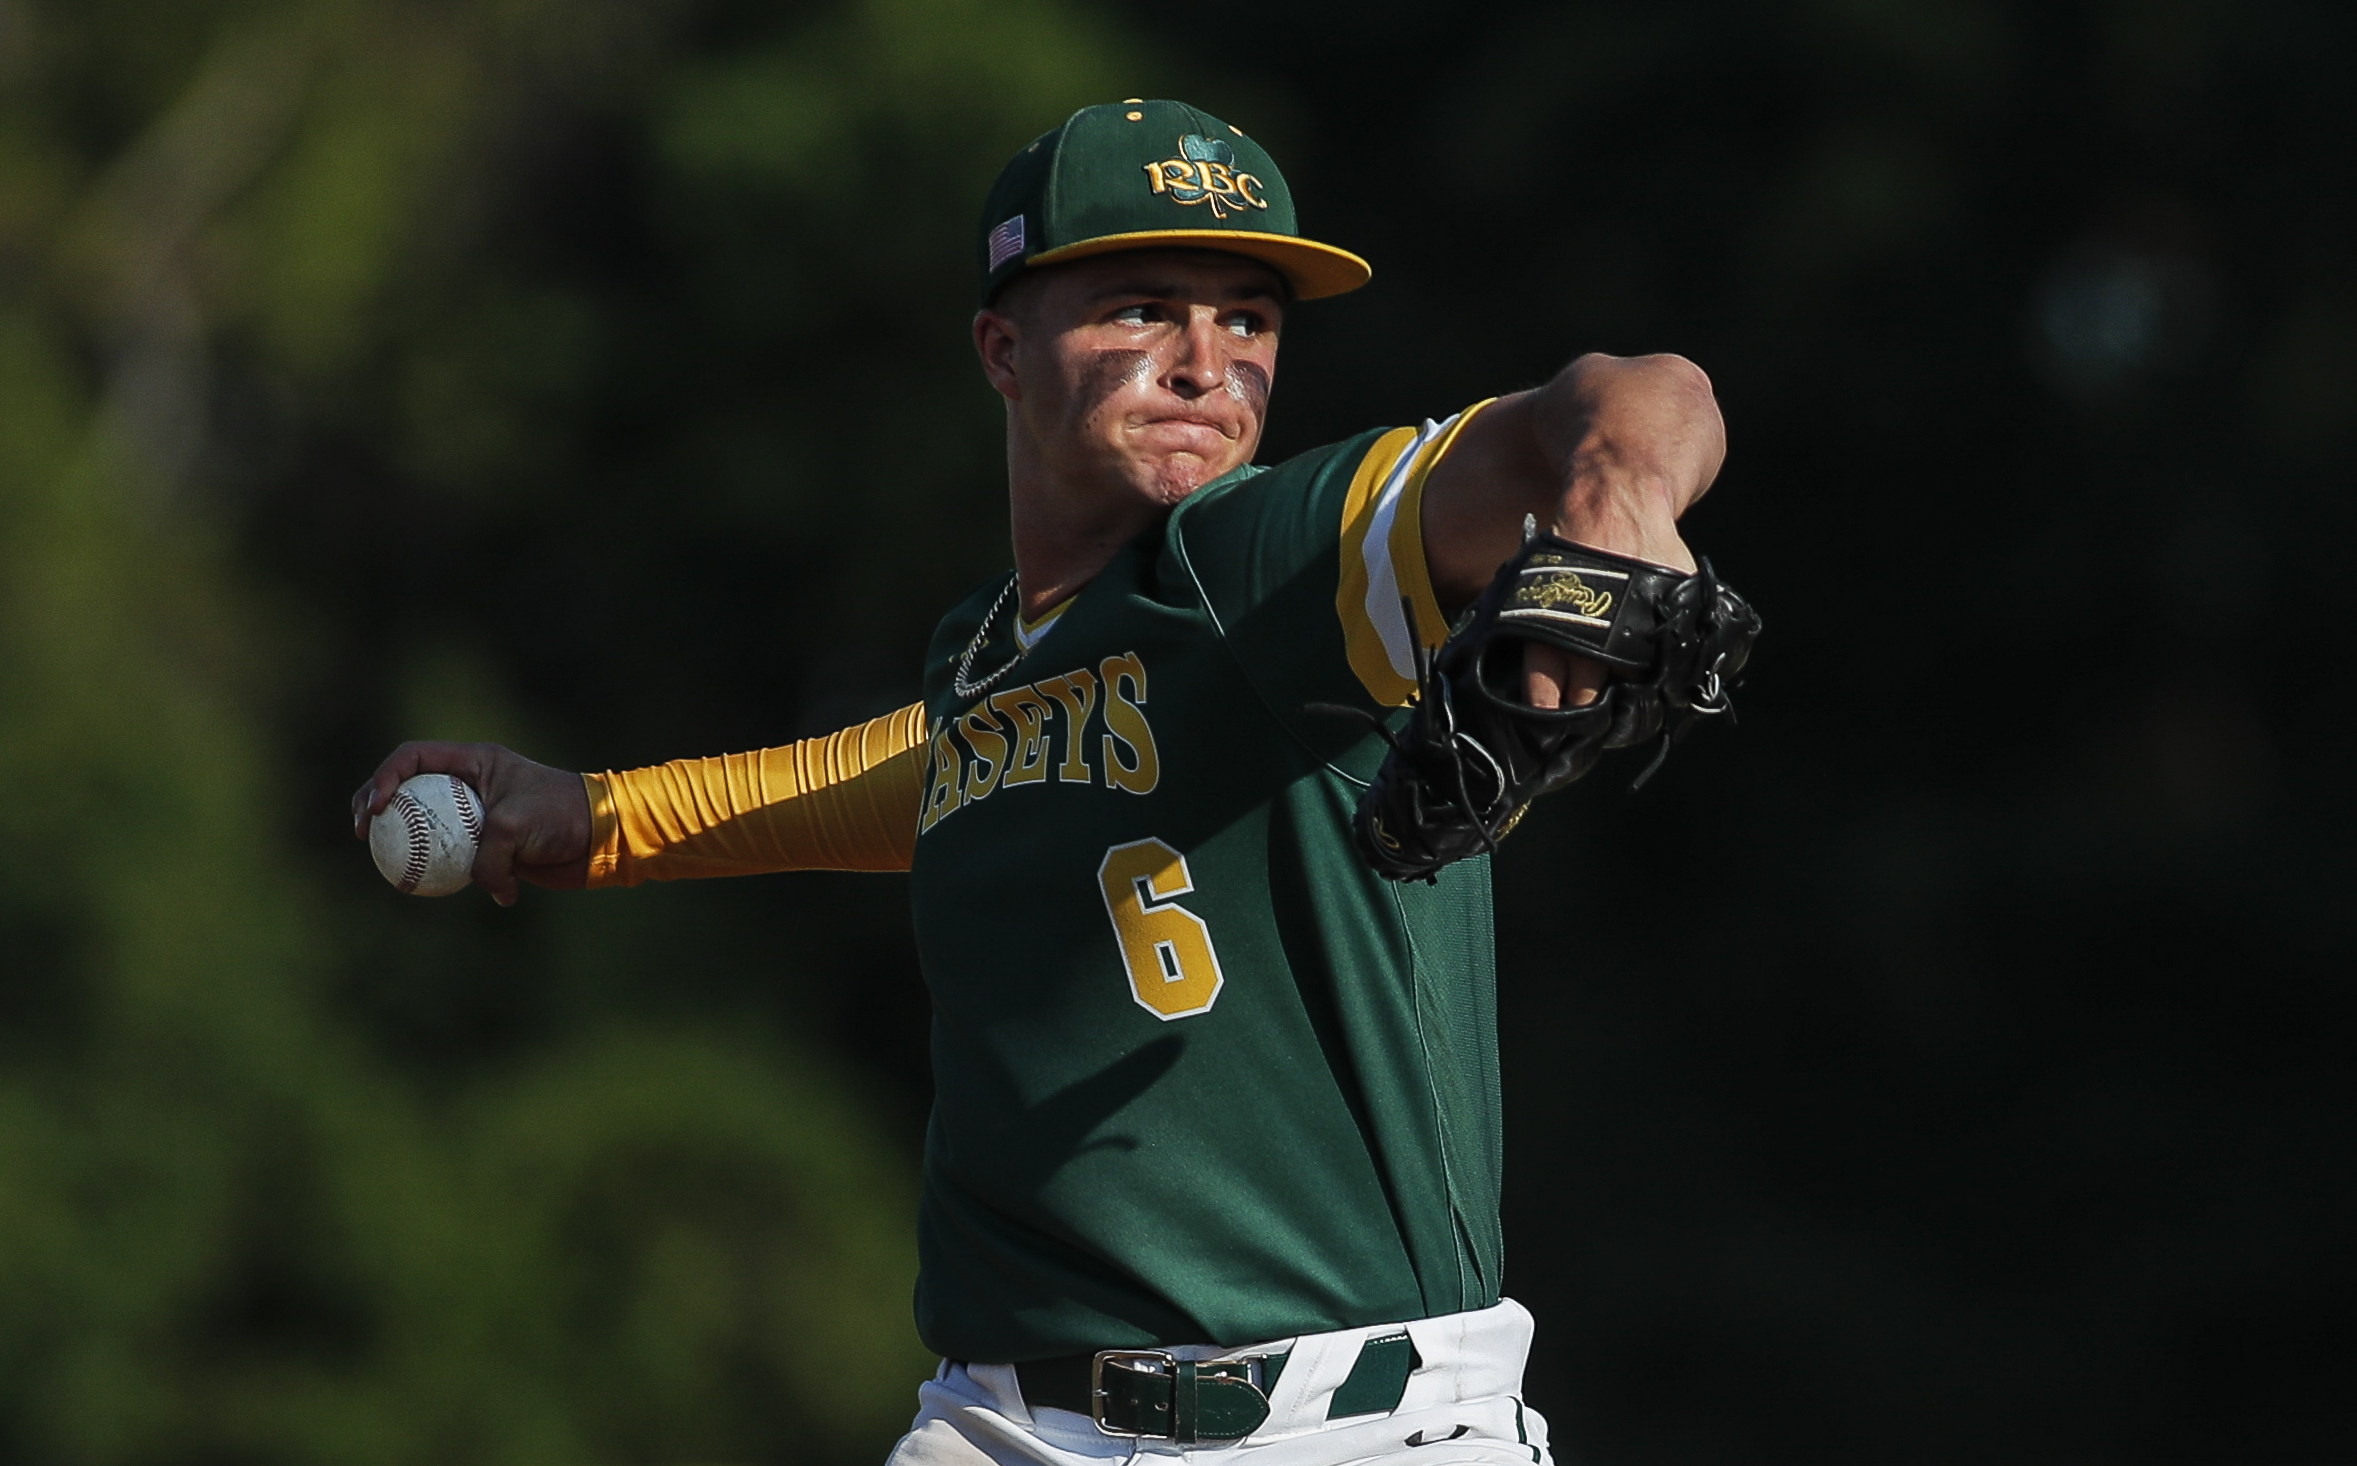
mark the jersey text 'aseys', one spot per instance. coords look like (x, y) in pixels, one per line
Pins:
(1008, 741)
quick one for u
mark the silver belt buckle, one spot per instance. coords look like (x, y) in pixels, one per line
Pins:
(1164, 1363)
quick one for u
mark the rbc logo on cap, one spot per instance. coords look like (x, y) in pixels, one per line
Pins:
(1205, 172)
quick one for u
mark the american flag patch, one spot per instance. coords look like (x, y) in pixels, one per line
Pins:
(1006, 241)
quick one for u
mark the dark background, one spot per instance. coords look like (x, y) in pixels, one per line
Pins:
(1947, 1066)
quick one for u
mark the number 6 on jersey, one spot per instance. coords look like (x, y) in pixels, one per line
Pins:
(1173, 971)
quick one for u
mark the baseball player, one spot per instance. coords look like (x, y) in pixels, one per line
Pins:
(1214, 1162)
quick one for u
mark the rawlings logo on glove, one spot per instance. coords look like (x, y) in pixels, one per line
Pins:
(1474, 754)
(1566, 589)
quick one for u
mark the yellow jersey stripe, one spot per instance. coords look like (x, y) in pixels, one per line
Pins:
(1355, 597)
(1383, 558)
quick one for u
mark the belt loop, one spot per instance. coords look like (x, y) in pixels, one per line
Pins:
(1377, 1378)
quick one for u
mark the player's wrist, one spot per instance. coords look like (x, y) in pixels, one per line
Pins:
(575, 823)
(549, 810)
(1632, 513)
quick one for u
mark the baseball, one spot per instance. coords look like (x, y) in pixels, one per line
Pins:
(424, 842)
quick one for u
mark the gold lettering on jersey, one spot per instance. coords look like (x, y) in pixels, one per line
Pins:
(1076, 693)
(1029, 713)
(990, 754)
(1567, 589)
(1173, 967)
(1008, 741)
(944, 798)
(1205, 172)
(1125, 724)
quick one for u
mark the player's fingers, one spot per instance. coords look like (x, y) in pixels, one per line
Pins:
(470, 761)
(495, 863)
(1554, 678)
(368, 801)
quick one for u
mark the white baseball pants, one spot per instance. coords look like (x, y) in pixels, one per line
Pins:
(1463, 1407)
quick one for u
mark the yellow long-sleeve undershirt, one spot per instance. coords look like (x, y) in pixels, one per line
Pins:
(847, 801)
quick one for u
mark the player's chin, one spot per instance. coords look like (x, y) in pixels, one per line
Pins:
(1168, 478)
(1173, 466)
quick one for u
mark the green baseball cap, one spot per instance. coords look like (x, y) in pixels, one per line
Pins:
(1151, 175)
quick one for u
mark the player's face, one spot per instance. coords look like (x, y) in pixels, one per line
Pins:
(1146, 373)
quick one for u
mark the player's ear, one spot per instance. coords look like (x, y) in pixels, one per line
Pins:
(996, 335)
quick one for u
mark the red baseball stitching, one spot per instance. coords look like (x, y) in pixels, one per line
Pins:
(421, 840)
(468, 814)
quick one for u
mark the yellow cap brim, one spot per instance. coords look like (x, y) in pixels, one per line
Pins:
(1315, 270)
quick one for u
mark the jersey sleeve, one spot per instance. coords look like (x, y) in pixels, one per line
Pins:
(1384, 597)
(847, 801)
(1315, 568)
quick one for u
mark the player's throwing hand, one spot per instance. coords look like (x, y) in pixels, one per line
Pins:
(535, 819)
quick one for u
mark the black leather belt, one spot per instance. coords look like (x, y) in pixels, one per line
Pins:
(1152, 1393)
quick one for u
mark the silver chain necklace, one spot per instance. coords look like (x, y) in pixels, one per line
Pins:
(965, 683)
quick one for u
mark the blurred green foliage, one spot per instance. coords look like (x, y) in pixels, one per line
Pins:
(245, 1216)
(1949, 1066)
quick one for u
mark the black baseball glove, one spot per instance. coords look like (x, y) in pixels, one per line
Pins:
(1474, 754)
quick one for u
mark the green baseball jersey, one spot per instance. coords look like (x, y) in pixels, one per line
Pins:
(1201, 1077)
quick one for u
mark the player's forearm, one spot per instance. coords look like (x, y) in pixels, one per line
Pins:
(1609, 453)
(844, 802)
(1630, 444)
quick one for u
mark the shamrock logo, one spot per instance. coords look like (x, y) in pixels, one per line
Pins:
(1205, 172)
